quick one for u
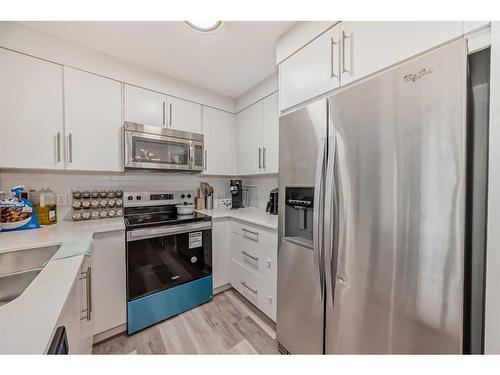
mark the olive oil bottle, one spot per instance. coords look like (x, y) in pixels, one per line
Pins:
(45, 202)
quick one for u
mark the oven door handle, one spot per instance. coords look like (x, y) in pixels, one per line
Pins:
(138, 234)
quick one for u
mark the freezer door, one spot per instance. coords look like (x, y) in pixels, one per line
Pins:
(300, 299)
(397, 199)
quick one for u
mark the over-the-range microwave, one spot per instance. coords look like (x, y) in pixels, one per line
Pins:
(155, 148)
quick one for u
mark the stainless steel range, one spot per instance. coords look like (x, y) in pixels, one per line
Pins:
(169, 257)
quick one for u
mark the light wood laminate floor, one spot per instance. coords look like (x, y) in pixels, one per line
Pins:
(227, 325)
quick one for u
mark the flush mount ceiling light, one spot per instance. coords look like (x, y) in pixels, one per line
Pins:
(204, 26)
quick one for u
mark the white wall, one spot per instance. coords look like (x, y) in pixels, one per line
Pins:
(492, 308)
(258, 92)
(23, 39)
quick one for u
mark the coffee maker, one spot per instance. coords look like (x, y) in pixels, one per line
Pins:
(236, 189)
(272, 204)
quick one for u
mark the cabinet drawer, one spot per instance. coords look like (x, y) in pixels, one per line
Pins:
(258, 257)
(259, 292)
(255, 233)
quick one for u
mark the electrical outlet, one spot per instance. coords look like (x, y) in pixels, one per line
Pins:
(62, 200)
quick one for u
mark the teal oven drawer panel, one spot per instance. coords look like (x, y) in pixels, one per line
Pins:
(146, 311)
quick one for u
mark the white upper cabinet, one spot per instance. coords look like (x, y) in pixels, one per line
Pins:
(184, 115)
(257, 137)
(369, 46)
(470, 26)
(352, 50)
(248, 143)
(31, 112)
(311, 71)
(271, 134)
(217, 130)
(93, 120)
(144, 106)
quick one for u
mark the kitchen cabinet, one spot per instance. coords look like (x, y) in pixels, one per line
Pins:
(184, 115)
(257, 137)
(86, 285)
(152, 108)
(254, 288)
(31, 112)
(220, 253)
(248, 143)
(109, 274)
(352, 50)
(369, 46)
(270, 142)
(144, 106)
(470, 26)
(93, 122)
(311, 71)
(253, 265)
(218, 131)
(77, 314)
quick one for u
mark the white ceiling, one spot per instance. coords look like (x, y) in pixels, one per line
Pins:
(228, 61)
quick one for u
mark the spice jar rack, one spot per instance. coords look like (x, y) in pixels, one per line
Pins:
(92, 205)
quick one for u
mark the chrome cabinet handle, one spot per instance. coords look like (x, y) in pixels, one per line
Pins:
(260, 155)
(250, 256)
(206, 160)
(332, 47)
(70, 148)
(163, 114)
(264, 157)
(256, 234)
(254, 291)
(170, 115)
(88, 291)
(58, 147)
(344, 37)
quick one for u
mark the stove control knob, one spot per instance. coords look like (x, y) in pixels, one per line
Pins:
(130, 197)
(183, 196)
(138, 197)
(189, 195)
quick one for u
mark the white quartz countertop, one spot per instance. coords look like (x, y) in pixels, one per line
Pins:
(249, 215)
(28, 323)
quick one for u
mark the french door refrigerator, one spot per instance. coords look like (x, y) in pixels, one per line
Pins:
(372, 218)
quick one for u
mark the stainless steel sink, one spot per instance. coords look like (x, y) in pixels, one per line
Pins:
(19, 268)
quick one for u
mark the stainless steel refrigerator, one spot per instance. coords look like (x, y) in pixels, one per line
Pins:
(373, 213)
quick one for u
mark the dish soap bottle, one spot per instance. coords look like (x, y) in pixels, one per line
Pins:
(46, 207)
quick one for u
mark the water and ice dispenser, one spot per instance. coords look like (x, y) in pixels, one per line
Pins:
(299, 206)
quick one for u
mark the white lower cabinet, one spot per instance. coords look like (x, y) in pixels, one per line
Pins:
(254, 288)
(109, 279)
(220, 253)
(245, 256)
(77, 315)
(252, 270)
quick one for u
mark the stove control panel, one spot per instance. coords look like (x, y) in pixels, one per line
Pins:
(157, 198)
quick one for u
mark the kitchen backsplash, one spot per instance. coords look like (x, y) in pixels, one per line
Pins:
(63, 182)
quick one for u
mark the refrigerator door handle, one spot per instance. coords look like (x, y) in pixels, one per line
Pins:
(330, 219)
(317, 223)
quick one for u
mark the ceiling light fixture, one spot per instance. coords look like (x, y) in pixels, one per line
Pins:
(204, 26)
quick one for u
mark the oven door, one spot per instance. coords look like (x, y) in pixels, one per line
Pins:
(160, 258)
(151, 151)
